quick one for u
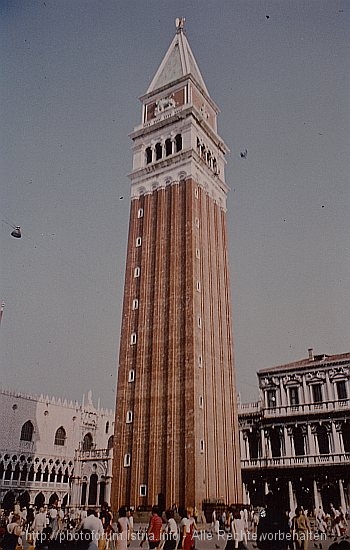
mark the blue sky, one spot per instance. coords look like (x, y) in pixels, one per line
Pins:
(71, 76)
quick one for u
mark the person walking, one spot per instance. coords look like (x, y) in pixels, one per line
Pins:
(170, 531)
(301, 528)
(154, 528)
(122, 529)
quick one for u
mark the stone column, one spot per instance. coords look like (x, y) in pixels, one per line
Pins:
(311, 440)
(342, 495)
(242, 445)
(341, 441)
(98, 492)
(336, 442)
(330, 390)
(246, 446)
(283, 394)
(287, 445)
(263, 444)
(75, 492)
(291, 496)
(108, 490)
(306, 391)
(244, 494)
(316, 497)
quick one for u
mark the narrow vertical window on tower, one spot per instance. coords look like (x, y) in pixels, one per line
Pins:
(196, 192)
(196, 221)
(143, 490)
(135, 304)
(178, 142)
(133, 338)
(199, 322)
(200, 361)
(201, 446)
(138, 241)
(148, 155)
(168, 147)
(127, 460)
(201, 402)
(129, 417)
(159, 151)
(137, 272)
(140, 213)
(198, 286)
(131, 377)
(198, 254)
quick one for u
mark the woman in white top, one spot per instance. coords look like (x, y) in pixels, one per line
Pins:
(123, 529)
(170, 533)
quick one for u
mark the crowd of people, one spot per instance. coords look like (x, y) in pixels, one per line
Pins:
(51, 527)
(266, 528)
(272, 528)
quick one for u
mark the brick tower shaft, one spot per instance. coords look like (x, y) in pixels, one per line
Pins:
(176, 429)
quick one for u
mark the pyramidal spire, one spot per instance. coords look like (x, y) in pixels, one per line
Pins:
(179, 61)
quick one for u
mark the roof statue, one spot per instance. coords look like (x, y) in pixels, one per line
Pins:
(180, 23)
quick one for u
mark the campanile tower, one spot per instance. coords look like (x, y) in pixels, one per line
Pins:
(176, 431)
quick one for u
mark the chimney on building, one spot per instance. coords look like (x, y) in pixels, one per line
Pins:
(311, 354)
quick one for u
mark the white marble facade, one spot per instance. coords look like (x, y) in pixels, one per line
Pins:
(51, 447)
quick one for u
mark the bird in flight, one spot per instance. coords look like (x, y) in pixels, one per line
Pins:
(244, 154)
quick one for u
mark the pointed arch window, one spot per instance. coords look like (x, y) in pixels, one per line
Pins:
(27, 431)
(87, 442)
(110, 442)
(60, 436)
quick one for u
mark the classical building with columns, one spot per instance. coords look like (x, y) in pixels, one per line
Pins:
(52, 449)
(295, 441)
